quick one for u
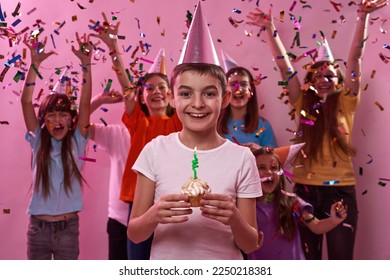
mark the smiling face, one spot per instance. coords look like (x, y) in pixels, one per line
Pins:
(239, 85)
(198, 101)
(325, 80)
(269, 172)
(154, 95)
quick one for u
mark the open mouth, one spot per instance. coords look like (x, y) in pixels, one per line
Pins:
(198, 115)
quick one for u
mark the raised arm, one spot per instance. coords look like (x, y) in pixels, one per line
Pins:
(338, 213)
(353, 72)
(84, 53)
(259, 18)
(38, 55)
(108, 33)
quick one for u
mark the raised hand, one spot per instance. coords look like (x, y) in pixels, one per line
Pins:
(106, 32)
(37, 49)
(259, 18)
(84, 52)
(369, 6)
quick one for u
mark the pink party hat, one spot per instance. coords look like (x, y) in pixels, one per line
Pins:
(228, 62)
(159, 65)
(63, 84)
(199, 46)
(323, 52)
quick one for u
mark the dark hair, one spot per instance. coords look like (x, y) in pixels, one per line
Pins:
(251, 119)
(52, 103)
(170, 111)
(284, 204)
(203, 69)
(326, 119)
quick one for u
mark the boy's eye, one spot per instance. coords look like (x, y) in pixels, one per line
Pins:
(209, 94)
(184, 93)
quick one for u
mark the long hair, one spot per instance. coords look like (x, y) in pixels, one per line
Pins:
(326, 120)
(251, 119)
(51, 103)
(203, 69)
(283, 203)
(170, 111)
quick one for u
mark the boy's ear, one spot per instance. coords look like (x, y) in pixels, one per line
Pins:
(226, 99)
(171, 100)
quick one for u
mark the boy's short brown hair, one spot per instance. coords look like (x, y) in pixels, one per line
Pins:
(201, 68)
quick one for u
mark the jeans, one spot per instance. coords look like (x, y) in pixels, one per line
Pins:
(117, 240)
(140, 251)
(340, 240)
(53, 240)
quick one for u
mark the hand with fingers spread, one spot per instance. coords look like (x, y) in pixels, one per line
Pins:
(369, 6)
(85, 49)
(106, 32)
(37, 49)
(259, 18)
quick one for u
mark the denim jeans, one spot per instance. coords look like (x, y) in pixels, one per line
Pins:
(340, 240)
(117, 240)
(138, 251)
(53, 240)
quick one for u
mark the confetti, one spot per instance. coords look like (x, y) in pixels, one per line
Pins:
(104, 109)
(382, 184)
(6, 211)
(293, 6)
(331, 182)
(87, 159)
(365, 192)
(370, 160)
(4, 122)
(379, 106)
(103, 121)
(259, 131)
(235, 140)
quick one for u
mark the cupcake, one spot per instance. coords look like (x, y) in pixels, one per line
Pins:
(195, 189)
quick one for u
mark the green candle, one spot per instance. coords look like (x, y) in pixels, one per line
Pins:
(195, 163)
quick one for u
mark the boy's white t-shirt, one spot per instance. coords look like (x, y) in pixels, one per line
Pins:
(229, 169)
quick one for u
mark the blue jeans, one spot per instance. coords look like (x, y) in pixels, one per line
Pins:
(138, 251)
(53, 240)
(340, 240)
(117, 240)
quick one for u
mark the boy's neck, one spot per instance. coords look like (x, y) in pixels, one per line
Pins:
(201, 140)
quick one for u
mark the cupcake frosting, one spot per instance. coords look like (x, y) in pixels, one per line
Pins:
(194, 187)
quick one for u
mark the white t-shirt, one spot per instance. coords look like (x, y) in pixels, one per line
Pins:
(115, 141)
(229, 169)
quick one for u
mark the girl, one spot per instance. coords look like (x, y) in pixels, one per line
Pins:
(324, 172)
(57, 137)
(279, 212)
(240, 121)
(147, 115)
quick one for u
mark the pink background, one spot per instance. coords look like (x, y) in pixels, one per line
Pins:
(370, 132)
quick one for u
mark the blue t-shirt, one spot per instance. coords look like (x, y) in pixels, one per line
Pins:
(58, 202)
(265, 138)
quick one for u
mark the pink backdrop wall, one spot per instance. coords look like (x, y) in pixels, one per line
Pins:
(371, 133)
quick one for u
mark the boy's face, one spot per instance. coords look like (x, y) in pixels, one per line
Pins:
(198, 101)
(58, 123)
(268, 168)
(154, 95)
